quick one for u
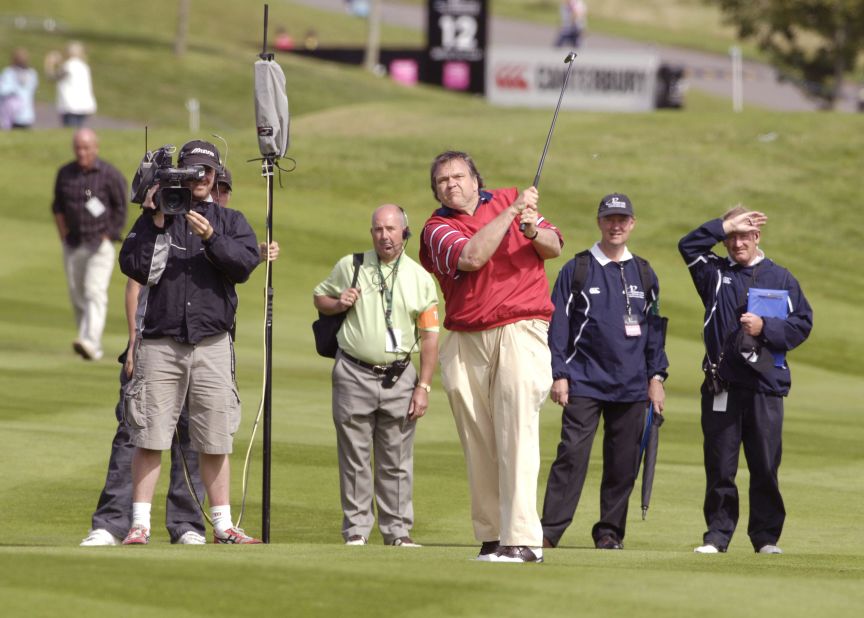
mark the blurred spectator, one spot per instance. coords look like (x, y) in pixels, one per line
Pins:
(90, 212)
(574, 18)
(310, 39)
(283, 41)
(358, 8)
(18, 84)
(75, 100)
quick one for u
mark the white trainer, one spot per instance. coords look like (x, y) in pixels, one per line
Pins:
(708, 548)
(190, 537)
(100, 538)
(770, 549)
(356, 539)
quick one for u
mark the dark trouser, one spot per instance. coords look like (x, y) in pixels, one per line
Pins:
(73, 120)
(756, 420)
(622, 432)
(114, 511)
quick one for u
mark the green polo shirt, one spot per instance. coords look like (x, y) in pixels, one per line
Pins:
(364, 333)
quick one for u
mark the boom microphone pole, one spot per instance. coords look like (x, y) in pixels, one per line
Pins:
(569, 61)
(272, 121)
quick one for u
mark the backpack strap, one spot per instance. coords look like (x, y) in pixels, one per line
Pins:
(580, 273)
(358, 260)
(646, 274)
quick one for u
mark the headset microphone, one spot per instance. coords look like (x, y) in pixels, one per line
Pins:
(406, 231)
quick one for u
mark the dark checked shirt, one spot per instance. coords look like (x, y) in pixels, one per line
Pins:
(75, 186)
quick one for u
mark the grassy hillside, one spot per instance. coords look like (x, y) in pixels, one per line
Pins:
(359, 141)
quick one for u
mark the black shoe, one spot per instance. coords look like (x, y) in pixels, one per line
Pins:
(517, 553)
(487, 549)
(607, 541)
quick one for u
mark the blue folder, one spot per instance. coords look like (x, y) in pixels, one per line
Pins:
(770, 304)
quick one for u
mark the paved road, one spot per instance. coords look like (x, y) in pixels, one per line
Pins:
(705, 72)
(47, 118)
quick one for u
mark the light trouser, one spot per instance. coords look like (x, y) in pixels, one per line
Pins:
(88, 274)
(372, 422)
(496, 381)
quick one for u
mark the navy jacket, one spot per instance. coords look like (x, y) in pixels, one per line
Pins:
(722, 285)
(587, 339)
(189, 283)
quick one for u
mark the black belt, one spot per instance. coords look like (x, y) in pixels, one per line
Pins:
(378, 370)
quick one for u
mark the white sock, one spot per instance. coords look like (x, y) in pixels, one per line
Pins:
(221, 517)
(141, 514)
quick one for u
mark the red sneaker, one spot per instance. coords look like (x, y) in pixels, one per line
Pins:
(234, 536)
(137, 535)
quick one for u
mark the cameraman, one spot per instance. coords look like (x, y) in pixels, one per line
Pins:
(113, 514)
(189, 265)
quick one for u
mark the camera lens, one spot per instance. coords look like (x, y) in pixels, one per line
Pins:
(173, 201)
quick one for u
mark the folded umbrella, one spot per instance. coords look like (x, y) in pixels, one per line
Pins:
(648, 454)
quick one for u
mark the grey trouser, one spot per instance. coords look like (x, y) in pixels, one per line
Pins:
(372, 421)
(114, 511)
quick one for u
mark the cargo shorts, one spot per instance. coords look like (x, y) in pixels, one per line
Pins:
(168, 374)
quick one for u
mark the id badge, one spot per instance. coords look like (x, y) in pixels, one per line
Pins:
(631, 326)
(388, 340)
(720, 401)
(95, 206)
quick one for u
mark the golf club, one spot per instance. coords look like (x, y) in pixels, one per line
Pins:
(569, 61)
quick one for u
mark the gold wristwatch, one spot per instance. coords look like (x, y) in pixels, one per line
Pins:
(424, 386)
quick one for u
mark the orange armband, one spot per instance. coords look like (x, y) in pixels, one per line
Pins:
(429, 318)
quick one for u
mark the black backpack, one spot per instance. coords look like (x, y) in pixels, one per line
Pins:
(326, 327)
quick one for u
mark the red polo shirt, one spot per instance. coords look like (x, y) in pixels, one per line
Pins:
(511, 286)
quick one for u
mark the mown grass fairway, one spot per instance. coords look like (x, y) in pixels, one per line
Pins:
(359, 141)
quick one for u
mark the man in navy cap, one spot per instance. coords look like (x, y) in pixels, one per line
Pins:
(188, 265)
(608, 359)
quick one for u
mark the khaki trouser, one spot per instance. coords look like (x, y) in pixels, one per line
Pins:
(496, 381)
(88, 274)
(169, 375)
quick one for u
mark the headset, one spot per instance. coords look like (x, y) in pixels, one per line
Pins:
(406, 231)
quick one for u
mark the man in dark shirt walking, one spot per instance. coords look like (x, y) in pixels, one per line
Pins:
(90, 211)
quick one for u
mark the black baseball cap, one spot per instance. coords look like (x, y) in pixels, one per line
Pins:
(615, 204)
(224, 176)
(199, 152)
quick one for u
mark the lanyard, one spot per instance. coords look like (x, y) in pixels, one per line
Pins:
(387, 297)
(626, 295)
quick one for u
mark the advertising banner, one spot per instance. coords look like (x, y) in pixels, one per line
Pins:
(600, 81)
(456, 43)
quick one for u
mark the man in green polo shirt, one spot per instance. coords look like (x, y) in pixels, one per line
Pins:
(377, 394)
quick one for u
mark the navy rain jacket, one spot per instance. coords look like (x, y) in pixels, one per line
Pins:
(587, 339)
(722, 285)
(189, 283)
